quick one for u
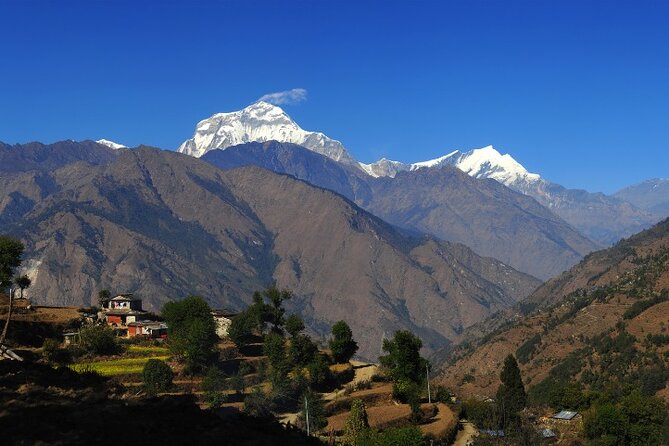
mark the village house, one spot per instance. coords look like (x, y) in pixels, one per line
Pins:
(151, 329)
(122, 310)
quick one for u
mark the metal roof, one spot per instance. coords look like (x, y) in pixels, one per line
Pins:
(565, 415)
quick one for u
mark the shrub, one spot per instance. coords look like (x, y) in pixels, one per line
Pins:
(214, 380)
(639, 307)
(99, 340)
(258, 404)
(526, 350)
(54, 354)
(157, 376)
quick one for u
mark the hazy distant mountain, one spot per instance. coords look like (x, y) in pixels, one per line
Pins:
(601, 218)
(651, 196)
(38, 156)
(259, 122)
(164, 225)
(482, 214)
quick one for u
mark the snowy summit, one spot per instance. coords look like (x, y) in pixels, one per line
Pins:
(259, 122)
(111, 144)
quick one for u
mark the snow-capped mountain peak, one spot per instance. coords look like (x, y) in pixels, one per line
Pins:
(260, 121)
(487, 162)
(111, 144)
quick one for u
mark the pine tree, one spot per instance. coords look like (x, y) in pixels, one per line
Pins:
(511, 396)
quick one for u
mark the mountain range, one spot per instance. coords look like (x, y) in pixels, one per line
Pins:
(602, 218)
(164, 225)
(483, 214)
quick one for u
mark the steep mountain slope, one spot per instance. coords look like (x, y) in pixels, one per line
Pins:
(483, 214)
(603, 322)
(164, 225)
(486, 216)
(651, 196)
(600, 217)
(47, 157)
(259, 122)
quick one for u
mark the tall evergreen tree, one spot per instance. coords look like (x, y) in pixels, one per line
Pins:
(342, 344)
(511, 396)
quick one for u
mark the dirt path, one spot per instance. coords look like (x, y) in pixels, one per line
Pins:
(442, 422)
(465, 435)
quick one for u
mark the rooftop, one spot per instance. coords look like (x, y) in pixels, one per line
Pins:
(565, 415)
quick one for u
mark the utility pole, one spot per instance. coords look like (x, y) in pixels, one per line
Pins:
(427, 375)
(306, 408)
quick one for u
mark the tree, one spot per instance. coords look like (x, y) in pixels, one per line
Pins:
(511, 392)
(191, 330)
(302, 351)
(294, 325)
(511, 396)
(320, 375)
(274, 347)
(10, 259)
(258, 404)
(98, 340)
(356, 422)
(157, 376)
(276, 298)
(317, 415)
(213, 385)
(342, 345)
(103, 297)
(403, 361)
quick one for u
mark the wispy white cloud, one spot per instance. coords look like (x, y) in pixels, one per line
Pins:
(294, 96)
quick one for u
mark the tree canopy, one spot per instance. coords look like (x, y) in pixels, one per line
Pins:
(11, 250)
(403, 361)
(192, 331)
(342, 345)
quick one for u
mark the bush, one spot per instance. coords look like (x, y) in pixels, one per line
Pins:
(54, 354)
(157, 376)
(99, 340)
(525, 351)
(258, 404)
(639, 307)
(320, 375)
(214, 380)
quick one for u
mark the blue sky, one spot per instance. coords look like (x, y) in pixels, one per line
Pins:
(575, 91)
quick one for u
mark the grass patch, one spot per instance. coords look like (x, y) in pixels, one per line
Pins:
(153, 349)
(125, 366)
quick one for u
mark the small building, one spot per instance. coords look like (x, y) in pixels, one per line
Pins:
(547, 433)
(71, 337)
(122, 310)
(151, 329)
(223, 319)
(566, 416)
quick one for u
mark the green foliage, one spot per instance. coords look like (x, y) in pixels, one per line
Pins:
(98, 340)
(658, 340)
(403, 361)
(54, 354)
(274, 347)
(276, 298)
(157, 376)
(301, 351)
(11, 250)
(405, 390)
(525, 351)
(243, 326)
(639, 307)
(103, 297)
(637, 420)
(357, 423)
(482, 414)
(258, 404)
(214, 380)
(294, 325)
(317, 415)
(192, 331)
(399, 436)
(320, 376)
(511, 396)
(342, 344)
